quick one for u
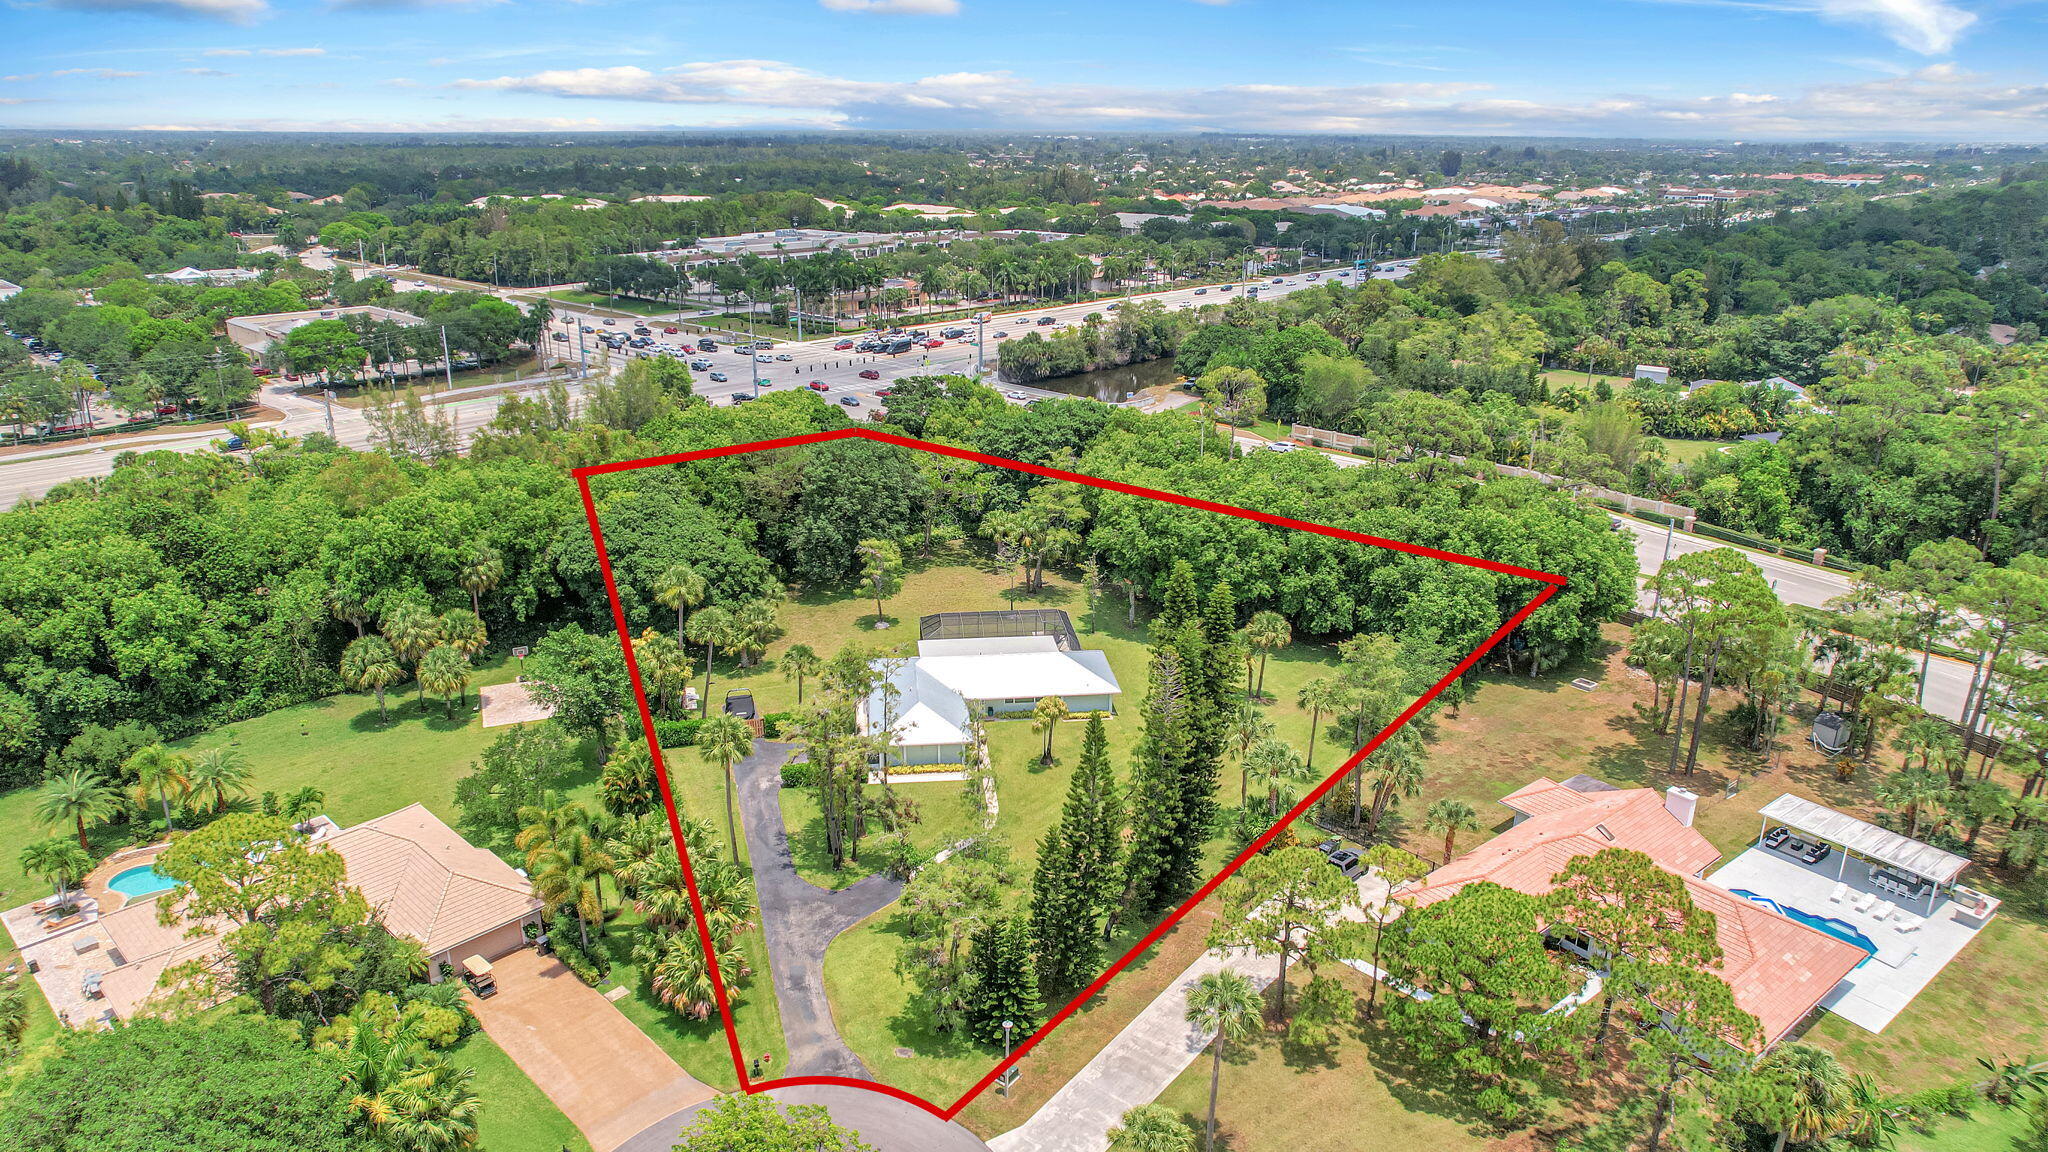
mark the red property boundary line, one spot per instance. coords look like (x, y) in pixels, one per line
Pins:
(1551, 582)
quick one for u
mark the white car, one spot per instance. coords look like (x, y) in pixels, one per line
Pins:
(1281, 446)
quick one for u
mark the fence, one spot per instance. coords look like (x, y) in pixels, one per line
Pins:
(1012, 622)
(1324, 438)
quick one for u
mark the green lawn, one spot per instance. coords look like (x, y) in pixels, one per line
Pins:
(1683, 452)
(871, 1000)
(1576, 379)
(616, 304)
(1988, 1130)
(517, 1116)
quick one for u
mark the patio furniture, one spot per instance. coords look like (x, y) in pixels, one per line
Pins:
(1775, 837)
(1908, 923)
(1885, 911)
(1840, 894)
(1815, 853)
(53, 923)
(1864, 902)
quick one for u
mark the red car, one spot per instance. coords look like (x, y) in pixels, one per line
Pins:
(259, 371)
(820, 386)
(870, 374)
(935, 343)
(842, 346)
(883, 394)
(671, 329)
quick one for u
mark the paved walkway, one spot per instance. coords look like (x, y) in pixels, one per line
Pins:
(883, 1121)
(1151, 1051)
(606, 1075)
(799, 919)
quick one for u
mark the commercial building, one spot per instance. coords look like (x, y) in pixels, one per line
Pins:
(256, 334)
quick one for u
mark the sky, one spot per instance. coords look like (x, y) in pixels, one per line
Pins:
(1973, 70)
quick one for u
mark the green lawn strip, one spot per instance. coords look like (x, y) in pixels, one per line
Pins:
(517, 1116)
(1989, 1129)
(1686, 451)
(699, 1045)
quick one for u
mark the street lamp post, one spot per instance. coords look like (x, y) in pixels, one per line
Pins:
(1657, 609)
(1009, 1076)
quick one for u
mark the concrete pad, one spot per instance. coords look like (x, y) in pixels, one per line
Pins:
(510, 704)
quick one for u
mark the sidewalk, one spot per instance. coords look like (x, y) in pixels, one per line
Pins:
(1133, 1069)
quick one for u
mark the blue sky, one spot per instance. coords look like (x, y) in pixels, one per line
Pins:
(1718, 69)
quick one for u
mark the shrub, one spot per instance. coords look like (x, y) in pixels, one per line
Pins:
(800, 775)
(779, 725)
(677, 733)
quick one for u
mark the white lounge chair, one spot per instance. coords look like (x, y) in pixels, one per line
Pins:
(1908, 922)
(1885, 911)
(1864, 902)
(1840, 893)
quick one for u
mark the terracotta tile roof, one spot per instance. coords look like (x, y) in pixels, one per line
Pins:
(428, 882)
(1778, 968)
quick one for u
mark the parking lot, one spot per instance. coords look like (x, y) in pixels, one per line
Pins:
(836, 367)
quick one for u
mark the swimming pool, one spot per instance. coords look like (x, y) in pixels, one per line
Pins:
(1840, 929)
(136, 883)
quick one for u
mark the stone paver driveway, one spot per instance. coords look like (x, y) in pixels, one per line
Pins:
(606, 1075)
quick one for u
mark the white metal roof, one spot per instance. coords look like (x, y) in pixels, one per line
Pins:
(1017, 675)
(1865, 838)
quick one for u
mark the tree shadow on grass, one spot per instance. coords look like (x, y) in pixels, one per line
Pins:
(1417, 1088)
(911, 1028)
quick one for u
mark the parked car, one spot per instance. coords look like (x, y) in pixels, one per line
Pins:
(706, 345)
(1347, 862)
(740, 398)
(870, 374)
(935, 343)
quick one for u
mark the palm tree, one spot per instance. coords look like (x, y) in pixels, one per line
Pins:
(800, 661)
(432, 1108)
(411, 632)
(1321, 695)
(2011, 1079)
(1248, 727)
(680, 589)
(58, 861)
(710, 627)
(80, 798)
(1267, 632)
(664, 664)
(223, 770)
(162, 773)
(1806, 1094)
(1450, 817)
(368, 664)
(480, 572)
(1046, 718)
(1226, 1004)
(677, 971)
(445, 672)
(726, 738)
(1151, 1128)
(570, 870)
(754, 624)
(1909, 789)
(463, 631)
(1274, 763)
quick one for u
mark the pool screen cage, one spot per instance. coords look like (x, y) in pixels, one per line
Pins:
(1051, 622)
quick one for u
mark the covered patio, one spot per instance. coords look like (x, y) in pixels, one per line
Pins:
(1890, 895)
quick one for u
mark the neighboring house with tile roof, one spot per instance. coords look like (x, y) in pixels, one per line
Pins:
(425, 881)
(1779, 969)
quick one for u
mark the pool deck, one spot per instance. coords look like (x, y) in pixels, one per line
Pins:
(95, 884)
(1873, 995)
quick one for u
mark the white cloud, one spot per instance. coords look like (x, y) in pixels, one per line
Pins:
(97, 73)
(231, 11)
(205, 72)
(908, 7)
(1937, 101)
(1929, 27)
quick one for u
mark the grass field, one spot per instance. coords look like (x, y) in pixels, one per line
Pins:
(1683, 452)
(517, 1116)
(870, 999)
(1581, 381)
(621, 304)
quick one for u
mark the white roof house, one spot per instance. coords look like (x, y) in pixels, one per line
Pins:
(938, 692)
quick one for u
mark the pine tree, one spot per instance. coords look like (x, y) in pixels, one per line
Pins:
(1179, 601)
(1076, 887)
(1001, 983)
(1156, 826)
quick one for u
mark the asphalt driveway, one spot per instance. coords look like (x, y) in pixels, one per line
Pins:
(883, 1121)
(799, 919)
